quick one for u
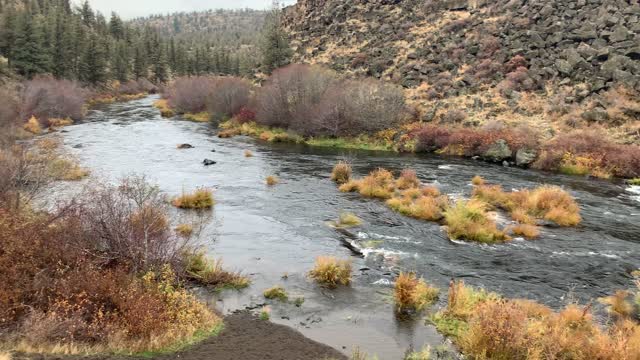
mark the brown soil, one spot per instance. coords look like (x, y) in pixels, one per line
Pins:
(245, 337)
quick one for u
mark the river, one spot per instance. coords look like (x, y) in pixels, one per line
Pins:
(267, 232)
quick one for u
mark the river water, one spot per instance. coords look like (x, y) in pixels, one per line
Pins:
(267, 232)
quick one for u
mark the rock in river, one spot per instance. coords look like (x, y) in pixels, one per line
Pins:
(185, 146)
(208, 162)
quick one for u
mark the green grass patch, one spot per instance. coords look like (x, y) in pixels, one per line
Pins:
(362, 142)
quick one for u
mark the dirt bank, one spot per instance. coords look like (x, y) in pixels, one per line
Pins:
(244, 337)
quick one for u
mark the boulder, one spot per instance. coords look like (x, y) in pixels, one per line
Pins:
(525, 156)
(208, 162)
(499, 151)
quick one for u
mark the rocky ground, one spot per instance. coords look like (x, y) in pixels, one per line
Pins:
(244, 337)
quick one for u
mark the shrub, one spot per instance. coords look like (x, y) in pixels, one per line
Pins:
(349, 220)
(46, 98)
(411, 293)
(276, 292)
(199, 199)
(245, 115)
(33, 126)
(272, 180)
(190, 94)
(618, 305)
(341, 173)
(468, 220)
(454, 117)
(431, 138)
(229, 97)
(331, 272)
(210, 272)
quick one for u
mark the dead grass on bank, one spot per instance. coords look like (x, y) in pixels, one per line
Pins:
(165, 109)
(331, 271)
(210, 272)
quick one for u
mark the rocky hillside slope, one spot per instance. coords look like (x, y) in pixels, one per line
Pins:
(554, 63)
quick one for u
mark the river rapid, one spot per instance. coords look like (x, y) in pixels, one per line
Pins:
(267, 232)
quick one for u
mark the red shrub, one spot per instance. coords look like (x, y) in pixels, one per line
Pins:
(518, 80)
(431, 138)
(45, 98)
(245, 115)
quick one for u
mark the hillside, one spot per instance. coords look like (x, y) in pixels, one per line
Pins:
(554, 64)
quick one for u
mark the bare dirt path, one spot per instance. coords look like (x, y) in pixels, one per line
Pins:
(245, 337)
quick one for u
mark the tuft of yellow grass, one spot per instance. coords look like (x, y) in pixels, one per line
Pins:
(67, 169)
(341, 173)
(408, 179)
(525, 230)
(33, 126)
(56, 122)
(248, 153)
(276, 292)
(185, 230)
(350, 186)
(412, 293)
(199, 199)
(378, 184)
(348, 220)
(272, 180)
(331, 272)
(165, 109)
(210, 272)
(198, 117)
(423, 204)
(477, 180)
(468, 220)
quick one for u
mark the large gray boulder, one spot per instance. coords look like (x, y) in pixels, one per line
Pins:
(499, 151)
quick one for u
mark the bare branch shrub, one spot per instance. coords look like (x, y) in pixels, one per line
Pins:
(229, 96)
(189, 94)
(46, 97)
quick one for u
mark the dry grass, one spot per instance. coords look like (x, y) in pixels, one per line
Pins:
(276, 292)
(198, 117)
(272, 180)
(57, 123)
(618, 304)
(341, 173)
(165, 109)
(331, 272)
(412, 293)
(348, 220)
(424, 204)
(67, 169)
(350, 186)
(408, 180)
(248, 153)
(468, 220)
(5, 356)
(550, 203)
(424, 354)
(378, 184)
(199, 199)
(210, 272)
(525, 230)
(185, 230)
(477, 180)
(33, 126)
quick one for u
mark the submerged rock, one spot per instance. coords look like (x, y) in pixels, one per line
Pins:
(499, 151)
(208, 162)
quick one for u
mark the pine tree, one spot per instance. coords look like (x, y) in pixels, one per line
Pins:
(28, 54)
(116, 27)
(88, 17)
(139, 63)
(94, 65)
(275, 46)
(120, 67)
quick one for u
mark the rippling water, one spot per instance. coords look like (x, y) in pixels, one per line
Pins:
(269, 231)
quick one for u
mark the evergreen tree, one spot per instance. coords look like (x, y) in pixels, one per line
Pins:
(116, 27)
(93, 66)
(275, 47)
(88, 17)
(28, 53)
(120, 66)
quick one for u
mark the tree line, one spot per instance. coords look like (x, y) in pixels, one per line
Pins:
(75, 42)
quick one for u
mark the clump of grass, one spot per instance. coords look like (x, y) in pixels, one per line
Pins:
(412, 293)
(635, 182)
(414, 203)
(33, 126)
(165, 109)
(198, 117)
(67, 169)
(331, 272)
(248, 153)
(199, 199)
(185, 230)
(276, 292)
(477, 180)
(408, 179)
(468, 220)
(618, 304)
(350, 186)
(210, 272)
(424, 354)
(525, 230)
(378, 184)
(550, 203)
(265, 313)
(349, 220)
(56, 122)
(341, 173)
(272, 180)
(298, 301)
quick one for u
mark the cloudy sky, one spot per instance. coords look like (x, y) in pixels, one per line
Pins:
(133, 8)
